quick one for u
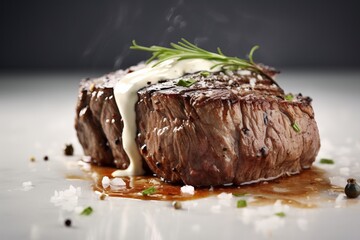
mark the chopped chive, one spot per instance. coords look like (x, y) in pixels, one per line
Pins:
(186, 83)
(148, 191)
(289, 97)
(280, 214)
(87, 211)
(241, 203)
(204, 74)
(326, 161)
(296, 127)
(238, 194)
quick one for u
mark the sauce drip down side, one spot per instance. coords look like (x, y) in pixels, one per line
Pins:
(125, 93)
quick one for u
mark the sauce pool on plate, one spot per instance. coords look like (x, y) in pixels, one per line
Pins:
(304, 190)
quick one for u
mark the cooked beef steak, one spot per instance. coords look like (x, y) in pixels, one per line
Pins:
(226, 128)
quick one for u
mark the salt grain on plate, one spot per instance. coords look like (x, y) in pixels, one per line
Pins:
(225, 196)
(105, 182)
(338, 181)
(187, 189)
(27, 185)
(340, 200)
(66, 199)
(117, 183)
(225, 199)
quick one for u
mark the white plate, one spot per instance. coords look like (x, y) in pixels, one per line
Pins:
(37, 117)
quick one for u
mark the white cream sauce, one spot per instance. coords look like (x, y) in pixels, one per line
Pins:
(125, 93)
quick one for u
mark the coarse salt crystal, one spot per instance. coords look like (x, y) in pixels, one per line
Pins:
(86, 159)
(244, 72)
(187, 189)
(225, 199)
(66, 199)
(340, 200)
(105, 182)
(27, 185)
(340, 197)
(117, 182)
(252, 82)
(225, 196)
(337, 181)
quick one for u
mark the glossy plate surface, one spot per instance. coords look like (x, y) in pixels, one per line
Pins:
(37, 118)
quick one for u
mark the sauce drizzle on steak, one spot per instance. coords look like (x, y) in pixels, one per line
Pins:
(182, 131)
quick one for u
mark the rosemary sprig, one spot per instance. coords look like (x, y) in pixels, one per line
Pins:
(186, 50)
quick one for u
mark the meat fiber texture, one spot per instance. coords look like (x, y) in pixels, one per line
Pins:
(230, 127)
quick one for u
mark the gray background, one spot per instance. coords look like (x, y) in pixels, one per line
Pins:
(95, 35)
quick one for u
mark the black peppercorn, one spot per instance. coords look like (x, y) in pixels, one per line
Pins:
(68, 222)
(46, 158)
(177, 205)
(352, 189)
(69, 150)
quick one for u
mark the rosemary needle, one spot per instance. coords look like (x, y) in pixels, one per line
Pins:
(186, 50)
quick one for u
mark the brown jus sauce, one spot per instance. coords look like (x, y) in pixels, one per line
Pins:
(303, 190)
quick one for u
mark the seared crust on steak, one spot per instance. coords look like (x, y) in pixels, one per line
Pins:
(98, 122)
(232, 127)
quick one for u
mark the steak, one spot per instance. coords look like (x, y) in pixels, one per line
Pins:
(229, 127)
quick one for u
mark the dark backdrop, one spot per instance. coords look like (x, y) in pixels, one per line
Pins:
(97, 34)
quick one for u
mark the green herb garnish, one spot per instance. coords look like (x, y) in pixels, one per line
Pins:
(241, 203)
(87, 211)
(296, 127)
(148, 191)
(326, 161)
(186, 50)
(280, 214)
(186, 82)
(289, 97)
(205, 74)
(238, 194)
